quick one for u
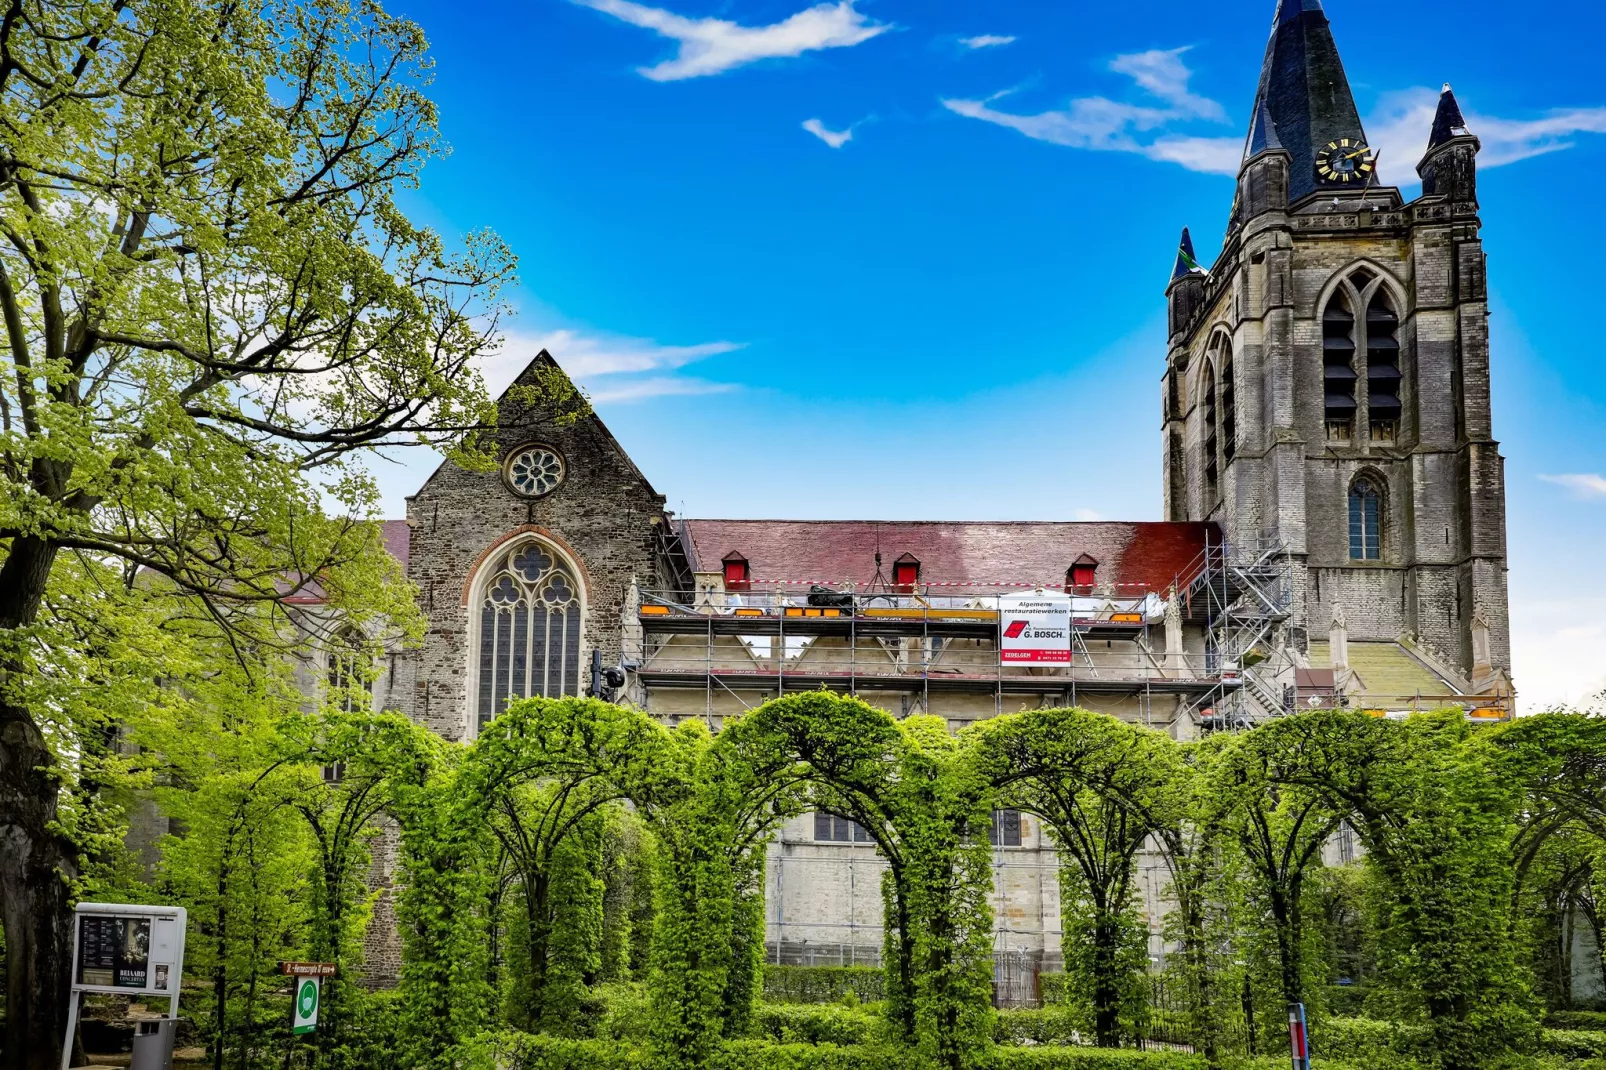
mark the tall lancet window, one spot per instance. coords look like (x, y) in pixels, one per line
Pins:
(1365, 520)
(529, 630)
(1211, 469)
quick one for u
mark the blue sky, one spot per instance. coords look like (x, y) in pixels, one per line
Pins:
(820, 261)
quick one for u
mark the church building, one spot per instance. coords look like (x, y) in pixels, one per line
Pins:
(1333, 533)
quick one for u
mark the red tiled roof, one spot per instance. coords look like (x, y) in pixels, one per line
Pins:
(398, 540)
(1138, 555)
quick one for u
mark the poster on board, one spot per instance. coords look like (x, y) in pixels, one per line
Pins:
(1034, 628)
(114, 952)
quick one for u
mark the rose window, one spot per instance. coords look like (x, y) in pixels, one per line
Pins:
(534, 471)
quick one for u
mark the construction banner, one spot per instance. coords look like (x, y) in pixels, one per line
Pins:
(1034, 628)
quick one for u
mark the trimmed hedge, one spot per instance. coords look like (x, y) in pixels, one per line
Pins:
(1356, 1044)
(823, 984)
(1051, 989)
(815, 1023)
(1048, 1025)
(523, 1051)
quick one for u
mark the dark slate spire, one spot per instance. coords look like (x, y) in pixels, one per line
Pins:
(1447, 123)
(1303, 92)
(1186, 264)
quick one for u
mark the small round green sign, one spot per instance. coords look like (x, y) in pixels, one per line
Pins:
(307, 998)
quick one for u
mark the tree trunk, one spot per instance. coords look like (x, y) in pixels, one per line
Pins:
(35, 861)
(1106, 980)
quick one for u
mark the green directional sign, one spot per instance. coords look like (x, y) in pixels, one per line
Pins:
(306, 1006)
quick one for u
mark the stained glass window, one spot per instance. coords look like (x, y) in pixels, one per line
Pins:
(1365, 522)
(529, 631)
(349, 683)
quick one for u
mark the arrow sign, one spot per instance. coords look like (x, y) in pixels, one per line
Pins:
(305, 1012)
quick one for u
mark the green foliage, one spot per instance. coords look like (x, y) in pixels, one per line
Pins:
(822, 984)
(1045, 1025)
(1573, 1043)
(626, 1012)
(1587, 1020)
(815, 1023)
(1103, 787)
(527, 857)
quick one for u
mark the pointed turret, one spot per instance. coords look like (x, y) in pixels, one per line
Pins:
(1185, 292)
(1447, 121)
(1186, 263)
(1450, 166)
(1304, 102)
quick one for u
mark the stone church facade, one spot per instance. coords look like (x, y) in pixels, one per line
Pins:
(1333, 533)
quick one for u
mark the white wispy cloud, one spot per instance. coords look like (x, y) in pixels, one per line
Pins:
(987, 40)
(1162, 73)
(1583, 484)
(1400, 124)
(658, 387)
(1100, 124)
(834, 138)
(712, 46)
(609, 367)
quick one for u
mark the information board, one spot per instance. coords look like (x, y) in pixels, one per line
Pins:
(124, 949)
(1034, 628)
(128, 948)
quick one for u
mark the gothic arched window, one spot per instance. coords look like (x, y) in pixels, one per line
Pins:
(529, 630)
(349, 668)
(1211, 468)
(1365, 520)
(1229, 408)
(1361, 341)
(350, 683)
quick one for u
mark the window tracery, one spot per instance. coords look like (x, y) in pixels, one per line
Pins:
(529, 630)
(1361, 341)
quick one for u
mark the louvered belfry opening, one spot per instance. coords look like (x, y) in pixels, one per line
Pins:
(1210, 466)
(1338, 367)
(1382, 369)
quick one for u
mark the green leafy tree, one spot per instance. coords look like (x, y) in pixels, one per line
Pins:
(1101, 785)
(1278, 830)
(212, 305)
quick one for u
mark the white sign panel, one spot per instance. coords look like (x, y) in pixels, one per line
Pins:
(305, 1018)
(1034, 628)
(128, 949)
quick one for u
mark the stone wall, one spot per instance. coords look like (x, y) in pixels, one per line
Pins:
(603, 516)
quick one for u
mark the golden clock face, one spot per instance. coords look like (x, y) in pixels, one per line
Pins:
(1345, 160)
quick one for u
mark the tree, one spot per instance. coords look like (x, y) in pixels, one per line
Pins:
(1102, 786)
(212, 305)
(1279, 831)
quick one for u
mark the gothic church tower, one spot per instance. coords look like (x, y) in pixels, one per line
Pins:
(1327, 379)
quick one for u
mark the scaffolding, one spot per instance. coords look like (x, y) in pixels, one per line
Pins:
(741, 644)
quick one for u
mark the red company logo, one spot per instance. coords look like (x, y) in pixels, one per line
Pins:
(1014, 629)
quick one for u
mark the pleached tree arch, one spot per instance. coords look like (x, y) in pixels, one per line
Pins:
(1102, 786)
(1436, 810)
(581, 755)
(927, 809)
